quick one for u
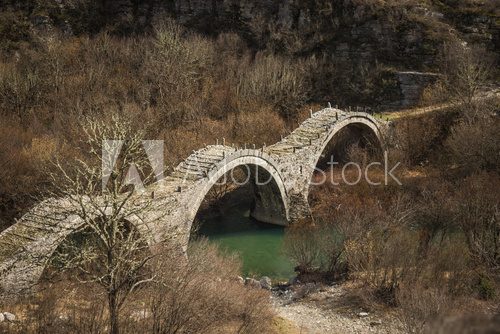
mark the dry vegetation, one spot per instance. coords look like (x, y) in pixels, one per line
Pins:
(199, 296)
(430, 248)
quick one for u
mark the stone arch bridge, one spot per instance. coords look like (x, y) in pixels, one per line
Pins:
(286, 169)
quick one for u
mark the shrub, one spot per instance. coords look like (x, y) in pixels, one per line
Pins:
(421, 308)
(474, 145)
(276, 81)
(176, 66)
(199, 296)
(486, 287)
(415, 138)
(477, 209)
(466, 69)
(433, 217)
(204, 295)
(14, 28)
(20, 90)
(318, 251)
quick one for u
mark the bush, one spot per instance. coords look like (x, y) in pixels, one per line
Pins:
(380, 249)
(421, 307)
(317, 250)
(276, 81)
(415, 137)
(486, 288)
(477, 209)
(204, 295)
(474, 145)
(14, 29)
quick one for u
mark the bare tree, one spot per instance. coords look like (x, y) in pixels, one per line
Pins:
(474, 146)
(466, 70)
(110, 248)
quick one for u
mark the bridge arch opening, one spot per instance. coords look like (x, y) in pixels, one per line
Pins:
(245, 212)
(247, 184)
(353, 145)
(346, 144)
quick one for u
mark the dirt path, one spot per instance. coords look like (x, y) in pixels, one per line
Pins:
(434, 108)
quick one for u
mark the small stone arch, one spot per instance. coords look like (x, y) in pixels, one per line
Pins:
(363, 121)
(23, 266)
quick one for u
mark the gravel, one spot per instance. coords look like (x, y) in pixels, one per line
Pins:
(311, 316)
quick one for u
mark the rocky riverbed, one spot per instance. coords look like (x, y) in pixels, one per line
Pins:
(329, 309)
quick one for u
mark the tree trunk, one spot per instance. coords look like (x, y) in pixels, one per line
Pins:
(113, 313)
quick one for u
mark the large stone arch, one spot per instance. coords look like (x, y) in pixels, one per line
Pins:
(266, 209)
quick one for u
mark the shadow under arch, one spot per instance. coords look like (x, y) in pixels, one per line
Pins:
(247, 219)
(354, 134)
(84, 251)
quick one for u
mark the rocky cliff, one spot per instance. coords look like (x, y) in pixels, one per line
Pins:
(368, 31)
(366, 41)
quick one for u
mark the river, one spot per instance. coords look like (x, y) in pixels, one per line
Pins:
(259, 245)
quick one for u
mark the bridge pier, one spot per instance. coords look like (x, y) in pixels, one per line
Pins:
(269, 206)
(299, 208)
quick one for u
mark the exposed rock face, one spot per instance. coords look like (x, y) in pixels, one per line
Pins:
(345, 30)
(412, 85)
(362, 33)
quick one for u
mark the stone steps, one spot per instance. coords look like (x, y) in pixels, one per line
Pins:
(191, 171)
(195, 162)
(184, 176)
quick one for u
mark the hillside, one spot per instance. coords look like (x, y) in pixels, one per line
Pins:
(361, 43)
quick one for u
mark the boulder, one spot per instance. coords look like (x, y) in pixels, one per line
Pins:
(9, 316)
(2, 317)
(253, 283)
(266, 283)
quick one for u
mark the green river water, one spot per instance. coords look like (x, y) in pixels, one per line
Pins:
(259, 245)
